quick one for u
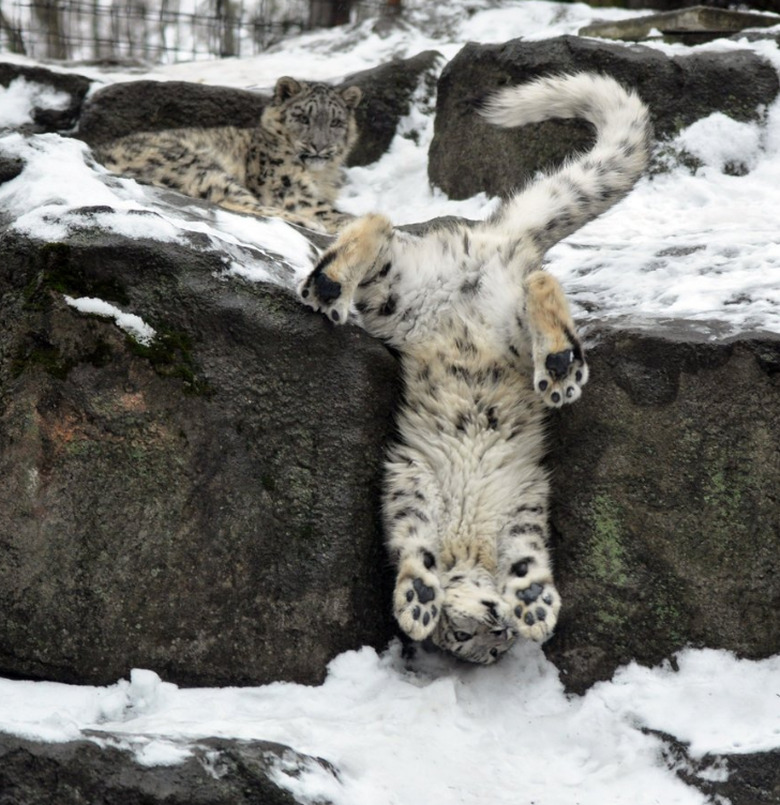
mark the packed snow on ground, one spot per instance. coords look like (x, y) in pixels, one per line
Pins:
(698, 244)
(439, 731)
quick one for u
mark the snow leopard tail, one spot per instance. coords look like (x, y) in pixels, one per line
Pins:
(562, 200)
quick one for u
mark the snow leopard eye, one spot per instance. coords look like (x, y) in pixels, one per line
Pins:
(337, 123)
(462, 637)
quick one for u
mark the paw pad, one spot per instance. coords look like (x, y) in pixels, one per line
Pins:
(530, 594)
(424, 592)
(324, 294)
(558, 363)
(326, 288)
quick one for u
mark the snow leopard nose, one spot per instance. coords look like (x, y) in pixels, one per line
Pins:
(319, 143)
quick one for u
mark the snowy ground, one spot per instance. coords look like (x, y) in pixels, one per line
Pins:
(443, 733)
(701, 246)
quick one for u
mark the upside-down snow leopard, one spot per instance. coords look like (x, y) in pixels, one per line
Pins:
(290, 166)
(486, 343)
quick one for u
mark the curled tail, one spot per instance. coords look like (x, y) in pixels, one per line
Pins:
(561, 201)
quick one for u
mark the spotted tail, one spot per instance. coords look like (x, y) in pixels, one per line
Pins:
(561, 201)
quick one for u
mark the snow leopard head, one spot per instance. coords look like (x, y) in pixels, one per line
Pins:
(316, 121)
(476, 623)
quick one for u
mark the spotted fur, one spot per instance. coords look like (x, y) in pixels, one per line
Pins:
(487, 345)
(290, 166)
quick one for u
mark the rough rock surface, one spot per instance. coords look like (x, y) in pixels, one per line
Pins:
(677, 90)
(665, 502)
(219, 772)
(205, 506)
(120, 109)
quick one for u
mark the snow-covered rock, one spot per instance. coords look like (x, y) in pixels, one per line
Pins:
(678, 89)
(213, 772)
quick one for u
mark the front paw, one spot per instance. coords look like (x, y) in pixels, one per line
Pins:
(417, 603)
(536, 607)
(324, 294)
(560, 376)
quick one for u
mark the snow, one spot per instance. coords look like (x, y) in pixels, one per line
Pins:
(61, 181)
(698, 244)
(438, 730)
(21, 97)
(129, 322)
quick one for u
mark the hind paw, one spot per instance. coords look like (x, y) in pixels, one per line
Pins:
(417, 604)
(536, 607)
(325, 295)
(559, 378)
(560, 370)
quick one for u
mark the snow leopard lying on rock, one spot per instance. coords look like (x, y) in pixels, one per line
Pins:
(289, 167)
(486, 343)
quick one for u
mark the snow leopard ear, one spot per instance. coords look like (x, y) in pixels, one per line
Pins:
(352, 96)
(286, 88)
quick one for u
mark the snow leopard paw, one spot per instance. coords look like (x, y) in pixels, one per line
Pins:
(324, 294)
(536, 607)
(417, 602)
(560, 376)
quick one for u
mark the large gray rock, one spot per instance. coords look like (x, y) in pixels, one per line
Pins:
(218, 772)
(670, 5)
(388, 91)
(206, 506)
(468, 156)
(124, 108)
(689, 25)
(665, 506)
(121, 109)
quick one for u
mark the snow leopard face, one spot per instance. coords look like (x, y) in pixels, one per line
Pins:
(317, 121)
(476, 623)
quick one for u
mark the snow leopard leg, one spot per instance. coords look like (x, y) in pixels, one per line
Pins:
(411, 534)
(560, 370)
(357, 255)
(330, 218)
(235, 197)
(525, 572)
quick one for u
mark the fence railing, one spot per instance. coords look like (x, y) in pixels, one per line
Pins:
(161, 30)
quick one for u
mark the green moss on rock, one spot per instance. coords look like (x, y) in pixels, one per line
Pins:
(60, 271)
(170, 354)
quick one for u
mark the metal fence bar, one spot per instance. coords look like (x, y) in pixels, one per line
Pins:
(151, 30)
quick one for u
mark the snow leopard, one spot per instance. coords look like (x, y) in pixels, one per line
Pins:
(487, 344)
(290, 166)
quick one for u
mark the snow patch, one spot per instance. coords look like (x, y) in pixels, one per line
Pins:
(133, 325)
(20, 99)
